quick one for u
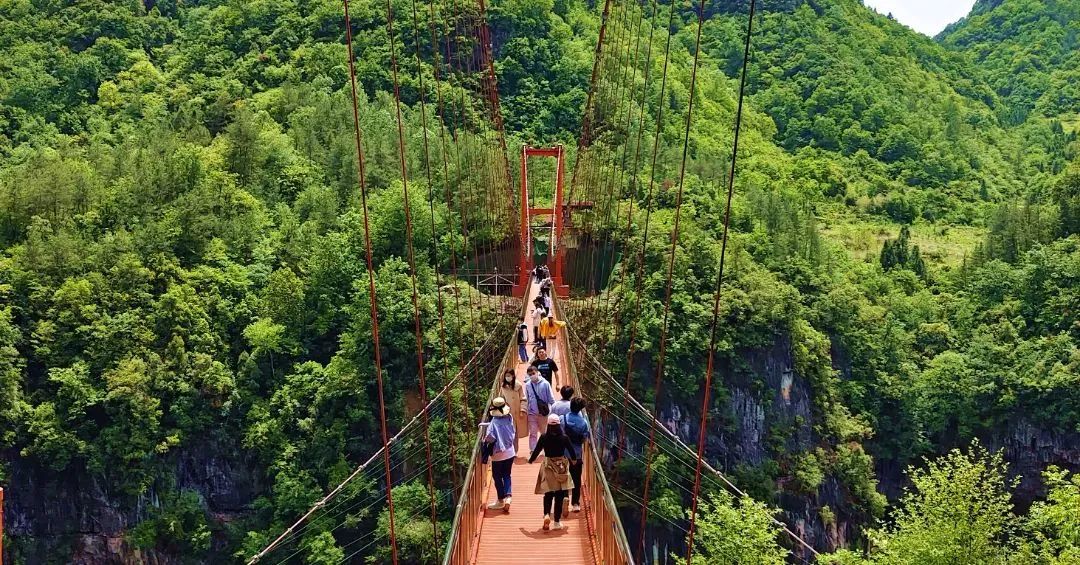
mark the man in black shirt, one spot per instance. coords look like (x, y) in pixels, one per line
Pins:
(547, 367)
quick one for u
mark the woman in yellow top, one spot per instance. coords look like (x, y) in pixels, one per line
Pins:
(549, 328)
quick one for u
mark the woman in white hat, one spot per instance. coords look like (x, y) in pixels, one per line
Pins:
(500, 431)
(554, 480)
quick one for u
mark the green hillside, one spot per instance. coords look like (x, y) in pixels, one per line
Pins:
(914, 126)
(1028, 51)
(181, 252)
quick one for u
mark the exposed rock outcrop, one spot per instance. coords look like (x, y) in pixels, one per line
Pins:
(49, 514)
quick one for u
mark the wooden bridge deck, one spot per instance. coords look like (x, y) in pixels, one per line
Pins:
(519, 537)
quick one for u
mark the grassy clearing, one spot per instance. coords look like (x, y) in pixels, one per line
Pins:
(1071, 122)
(941, 245)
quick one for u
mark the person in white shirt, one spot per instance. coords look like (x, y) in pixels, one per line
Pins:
(562, 407)
(538, 315)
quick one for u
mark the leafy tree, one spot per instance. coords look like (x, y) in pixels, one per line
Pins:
(1055, 523)
(956, 511)
(735, 531)
(266, 337)
(178, 522)
(949, 396)
(900, 253)
(1067, 194)
(412, 523)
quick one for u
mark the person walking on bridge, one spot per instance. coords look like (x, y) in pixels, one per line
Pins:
(546, 366)
(512, 390)
(562, 407)
(523, 342)
(538, 315)
(576, 427)
(545, 297)
(545, 286)
(549, 330)
(500, 432)
(553, 480)
(538, 395)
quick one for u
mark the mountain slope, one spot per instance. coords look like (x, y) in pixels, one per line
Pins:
(913, 124)
(1028, 50)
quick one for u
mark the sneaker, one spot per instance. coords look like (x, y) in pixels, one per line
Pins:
(496, 505)
(506, 504)
(558, 526)
(576, 508)
(547, 522)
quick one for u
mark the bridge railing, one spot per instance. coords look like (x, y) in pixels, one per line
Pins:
(610, 545)
(495, 282)
(469, 511)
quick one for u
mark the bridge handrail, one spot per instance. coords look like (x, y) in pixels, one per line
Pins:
(610, 546)
(466, 524)
(608, 537)
(621, 392)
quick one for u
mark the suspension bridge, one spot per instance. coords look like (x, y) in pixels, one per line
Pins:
(498, 229)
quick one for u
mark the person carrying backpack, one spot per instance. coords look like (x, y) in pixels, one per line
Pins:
(576, 427)
(553, 480)
(523, 341)
(538, 394)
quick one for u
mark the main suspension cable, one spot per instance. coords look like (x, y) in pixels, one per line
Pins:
(703, 425)
(371, 281)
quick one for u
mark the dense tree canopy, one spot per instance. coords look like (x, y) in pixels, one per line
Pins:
(182, 257)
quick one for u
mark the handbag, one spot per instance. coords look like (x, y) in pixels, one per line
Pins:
(541, 407)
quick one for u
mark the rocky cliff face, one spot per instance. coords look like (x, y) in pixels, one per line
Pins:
(75, 518)
(768, 415)
(771, 406)
(765, 414)
(1029, 450)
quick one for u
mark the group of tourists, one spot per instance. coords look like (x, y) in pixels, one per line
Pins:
(545, 327)
(557, 428)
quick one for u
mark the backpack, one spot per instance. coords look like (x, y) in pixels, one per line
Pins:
(575, 435)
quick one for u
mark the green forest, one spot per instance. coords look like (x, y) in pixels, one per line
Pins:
(183, 282)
